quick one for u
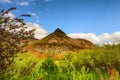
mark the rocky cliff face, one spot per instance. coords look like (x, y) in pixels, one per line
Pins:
(59, 42)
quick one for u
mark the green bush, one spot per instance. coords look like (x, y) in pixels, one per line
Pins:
(24, 66)
(104, 57)
(49, 69)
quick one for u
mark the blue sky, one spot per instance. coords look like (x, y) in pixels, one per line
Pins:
(99, 19)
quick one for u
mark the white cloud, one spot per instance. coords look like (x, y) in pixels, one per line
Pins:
(25, 3)
(46, 1)
(104, 38)
(40, 32)
(89, 36)
(10, 15)
(5, 1)
(115, 36)
(33, 14)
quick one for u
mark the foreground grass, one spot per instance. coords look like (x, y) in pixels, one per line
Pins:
(101, 63)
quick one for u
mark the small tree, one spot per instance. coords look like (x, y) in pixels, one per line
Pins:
(13, 37)
(49, 69)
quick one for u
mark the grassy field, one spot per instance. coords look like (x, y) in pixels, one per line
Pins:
(102, 63)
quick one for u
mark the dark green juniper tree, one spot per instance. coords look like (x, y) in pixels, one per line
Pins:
(13, 37)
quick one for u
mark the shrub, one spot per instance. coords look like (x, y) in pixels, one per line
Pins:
(104, 57)
(49, 69)
(13, 37)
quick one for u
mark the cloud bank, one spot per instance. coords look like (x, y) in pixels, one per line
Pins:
(5, 1)
(101, 39)
(40, 32)
(11, 15)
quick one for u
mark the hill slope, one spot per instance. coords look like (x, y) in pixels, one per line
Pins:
(59, 42)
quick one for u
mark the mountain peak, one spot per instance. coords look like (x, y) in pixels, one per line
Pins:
(59, 31)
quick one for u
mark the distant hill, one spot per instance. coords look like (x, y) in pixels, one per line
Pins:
(59, 42)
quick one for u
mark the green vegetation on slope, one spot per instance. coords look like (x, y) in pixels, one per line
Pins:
(101, 63)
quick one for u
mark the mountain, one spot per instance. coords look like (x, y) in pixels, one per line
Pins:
(59, 42)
